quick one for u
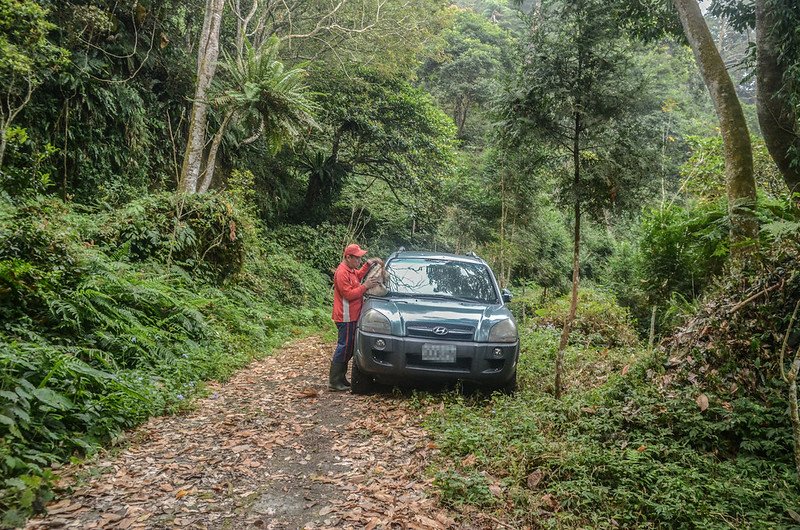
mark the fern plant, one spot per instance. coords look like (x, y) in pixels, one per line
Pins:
(94, 340)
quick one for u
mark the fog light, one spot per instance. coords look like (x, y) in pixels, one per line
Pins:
(497, 352)
(380, 344)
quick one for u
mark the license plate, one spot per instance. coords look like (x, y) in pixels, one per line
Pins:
(443, 353)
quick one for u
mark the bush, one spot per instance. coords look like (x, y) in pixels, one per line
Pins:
(202, 233)
(527, 298)
(682, 249)
(622, 275)
(599, 319)
(25, 170)
(320, 246)
(678, 253)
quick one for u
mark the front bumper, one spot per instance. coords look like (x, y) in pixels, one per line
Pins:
(400, 360)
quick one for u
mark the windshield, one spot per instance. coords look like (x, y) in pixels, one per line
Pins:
(451, 279)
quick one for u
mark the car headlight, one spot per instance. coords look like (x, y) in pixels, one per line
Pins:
(503, 331)
(375, 322)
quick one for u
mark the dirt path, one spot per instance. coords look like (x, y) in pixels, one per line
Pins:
(271, 448)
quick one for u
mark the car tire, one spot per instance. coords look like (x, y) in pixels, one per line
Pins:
(360, 383)
(510, 386)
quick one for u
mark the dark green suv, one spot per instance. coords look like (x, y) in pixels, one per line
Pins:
(443, 319)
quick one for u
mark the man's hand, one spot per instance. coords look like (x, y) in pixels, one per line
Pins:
(372, 282)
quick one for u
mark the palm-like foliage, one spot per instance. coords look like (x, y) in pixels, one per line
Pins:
(268, 99)
(262, 93)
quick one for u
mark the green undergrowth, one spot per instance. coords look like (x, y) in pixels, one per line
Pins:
(106, 323)
(599, 321)
(617, 451)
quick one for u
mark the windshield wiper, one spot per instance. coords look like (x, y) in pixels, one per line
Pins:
(440, 297)
(470, 300)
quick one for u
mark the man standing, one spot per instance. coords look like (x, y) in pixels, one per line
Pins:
(348, 294)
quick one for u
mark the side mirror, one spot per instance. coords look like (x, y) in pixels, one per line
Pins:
(506, 295)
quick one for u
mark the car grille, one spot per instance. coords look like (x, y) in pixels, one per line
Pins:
(432, 330)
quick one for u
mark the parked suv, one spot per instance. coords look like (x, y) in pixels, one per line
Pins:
(443, 319)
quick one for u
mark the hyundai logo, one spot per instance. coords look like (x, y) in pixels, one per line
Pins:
(440, 330)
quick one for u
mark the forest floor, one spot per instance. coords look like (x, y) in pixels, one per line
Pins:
(270, 448)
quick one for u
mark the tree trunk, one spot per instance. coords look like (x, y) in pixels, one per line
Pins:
(723, 26)
(738, 152)
(502, 229)
(211, 162)
(207, 54)
(510, 267)
(65, 151)
(795, 414)
(3, 140)
(573, 303)
(777, 118)
(576, 252)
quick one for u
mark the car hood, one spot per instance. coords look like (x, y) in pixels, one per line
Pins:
(430, 311)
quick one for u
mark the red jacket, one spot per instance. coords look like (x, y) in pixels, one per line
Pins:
(348, 293)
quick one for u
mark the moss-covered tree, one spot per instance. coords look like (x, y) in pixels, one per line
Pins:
(778, 61)
(738, 151)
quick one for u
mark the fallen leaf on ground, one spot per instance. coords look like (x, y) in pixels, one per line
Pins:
(702, 402)
(354, 462)
(550, 502)
(309, 393)
(534, 479)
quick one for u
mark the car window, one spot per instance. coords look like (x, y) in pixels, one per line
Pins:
(454, 279)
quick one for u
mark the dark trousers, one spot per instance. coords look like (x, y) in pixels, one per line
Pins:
(345, 342)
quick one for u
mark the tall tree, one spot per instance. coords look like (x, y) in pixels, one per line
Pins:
(777, 61)
(207, 54)
(115, 110)
(257, 90)
(776, 83)
(582, 93)
(738, 151)
(377, 127)
(309, 30)
(389, 36)
(465, 74)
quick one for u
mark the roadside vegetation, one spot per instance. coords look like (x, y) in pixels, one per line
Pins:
(110, 317)
(689, 435)
(178, 178)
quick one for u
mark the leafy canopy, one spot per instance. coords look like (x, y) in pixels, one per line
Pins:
(582, 87)
(25, 51)
(378, 127)
(467, 71)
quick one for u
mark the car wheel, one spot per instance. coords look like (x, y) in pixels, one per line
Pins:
(510, 386)
(360, 383)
